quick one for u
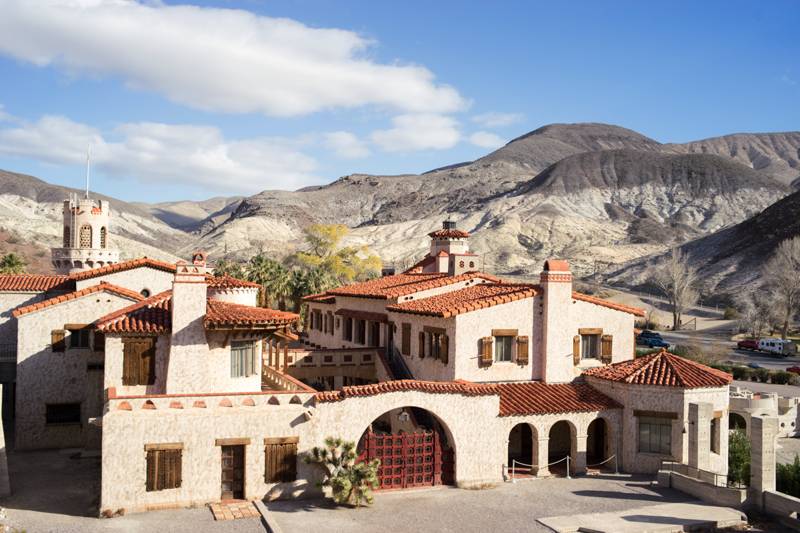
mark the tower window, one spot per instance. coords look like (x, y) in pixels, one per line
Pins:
(66, 236)
(103, 237)
(86, 236)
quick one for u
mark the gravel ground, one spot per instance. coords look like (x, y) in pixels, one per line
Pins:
(57, 491)
(505, 508)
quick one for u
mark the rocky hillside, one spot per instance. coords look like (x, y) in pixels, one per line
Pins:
(733, 257)
(193, 216)
(31, 215)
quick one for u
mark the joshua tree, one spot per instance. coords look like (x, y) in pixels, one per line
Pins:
(351, 482)
(11, 263)
(677, 279)
(782, 281)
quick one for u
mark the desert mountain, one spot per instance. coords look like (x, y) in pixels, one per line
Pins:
(733, 257)
(31, 211)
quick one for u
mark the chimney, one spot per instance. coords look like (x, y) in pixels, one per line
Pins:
(557, 336)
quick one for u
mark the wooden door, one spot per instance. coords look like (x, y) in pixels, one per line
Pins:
(232, 472)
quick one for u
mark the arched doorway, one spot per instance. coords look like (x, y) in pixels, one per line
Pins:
(521, 450)
(561, 443)
(736, 421)
(598, 442)
(414, 447)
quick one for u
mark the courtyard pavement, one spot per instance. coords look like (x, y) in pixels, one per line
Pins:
(505, 508)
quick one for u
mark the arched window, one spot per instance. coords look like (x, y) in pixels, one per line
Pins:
(66, 236)
(86, 236)
(103, 237)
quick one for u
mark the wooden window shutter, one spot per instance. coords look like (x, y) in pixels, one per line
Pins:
(576, 350)
(606, 348)
(147, 358)
(99, 341)
(152, 470)
(280, 460)
(421, 344)
(486, 350)
(57, 340)
(405, 345)
(522, 350)
(444, 348)
(130, 362)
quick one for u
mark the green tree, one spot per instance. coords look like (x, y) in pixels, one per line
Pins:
(738, 457)
(229, 268)
(12, 263)
(324, 251)
(261, 269)
(351, 481)
(309, 281)
(787, 478)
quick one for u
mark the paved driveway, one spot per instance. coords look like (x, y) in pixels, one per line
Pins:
(505, 508)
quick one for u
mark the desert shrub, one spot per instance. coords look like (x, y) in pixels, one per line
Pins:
(730, 313)
(762, 375)
(788, 477)
(351, 481)
(738, 458)
(740, 372)
(724, 368)
(781, 378)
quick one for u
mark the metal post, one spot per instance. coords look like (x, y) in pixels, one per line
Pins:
(616, 464)
(513, 469)
(568, 476)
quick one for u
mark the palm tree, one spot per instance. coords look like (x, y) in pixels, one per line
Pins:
(12, 263)
(228, 268)
(260, 270)
(280, 286)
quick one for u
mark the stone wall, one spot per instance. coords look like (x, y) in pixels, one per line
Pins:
(46, 377)
(135, 279)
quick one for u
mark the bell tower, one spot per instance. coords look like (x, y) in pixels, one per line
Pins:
(86, 238)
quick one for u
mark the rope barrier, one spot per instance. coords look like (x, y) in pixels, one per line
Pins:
(514, 464)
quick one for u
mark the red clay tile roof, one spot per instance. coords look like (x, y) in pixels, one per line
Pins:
(420, 265)
(152, 315)
(124, 265)
(466, 299)
(442, 387)
(320, 297)
(606, 303)
(556, 265)
(225, 314)
(229, 282)
(448, 234)
(34, 283)
(100, 287)
(664, 369)
(534, 397)
(389, 287)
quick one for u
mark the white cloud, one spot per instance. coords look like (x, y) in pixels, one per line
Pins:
(418, 132)
(345, 145)
(486, 139)
(497, 120)
(5, 116)
(217, 59)
(163, 153)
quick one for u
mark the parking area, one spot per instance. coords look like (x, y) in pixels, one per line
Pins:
(58, 491)
(505, 508)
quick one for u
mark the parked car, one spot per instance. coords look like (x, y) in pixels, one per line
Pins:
(754, 365)
(777, 346)
(748, 344)
(652, 342)
(794, 369)
(649, 333)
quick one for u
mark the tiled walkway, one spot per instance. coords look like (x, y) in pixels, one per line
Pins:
(233, 510)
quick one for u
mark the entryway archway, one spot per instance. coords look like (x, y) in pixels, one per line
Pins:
(598, 443)
(522, 449)
(414, 448)
(561, 443)
(736, 421)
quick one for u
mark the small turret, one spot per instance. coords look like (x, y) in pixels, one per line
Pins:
(450, 251)
(85, 239)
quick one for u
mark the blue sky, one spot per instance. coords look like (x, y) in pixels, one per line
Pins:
(233, 97)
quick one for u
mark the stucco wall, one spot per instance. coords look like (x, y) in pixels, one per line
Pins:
(426, 368)
(241, 296)
(135, 279)
(114, 366)
(46, 377)
(8, 302)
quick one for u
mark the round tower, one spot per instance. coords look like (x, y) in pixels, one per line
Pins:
(85, 237)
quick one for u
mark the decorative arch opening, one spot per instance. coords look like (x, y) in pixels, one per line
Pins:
(562, 442)
(86, 236)
(415, 449)
(522, 452)
(598, 443)
(103, 237)
(736, 421)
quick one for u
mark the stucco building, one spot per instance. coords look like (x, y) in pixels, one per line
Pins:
(449, 375)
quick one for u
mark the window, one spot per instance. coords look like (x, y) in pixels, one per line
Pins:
(590, 346)
(437, 343)
(243, 358)
(66, 236)
(405, 345)
(374, 333)
(78, 335)
(103, 240)
(138, 361)
(361, 331)
(63, 413)
(163, 466)
(145, 293)
(503, 348)
(280, 459)
(86, 236)
(330, 322)
(347, 332)
(57, 342)
(655, 435)
(99, 341)
(715, 434)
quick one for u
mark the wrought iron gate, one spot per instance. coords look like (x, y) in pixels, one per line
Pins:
(408, 459)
